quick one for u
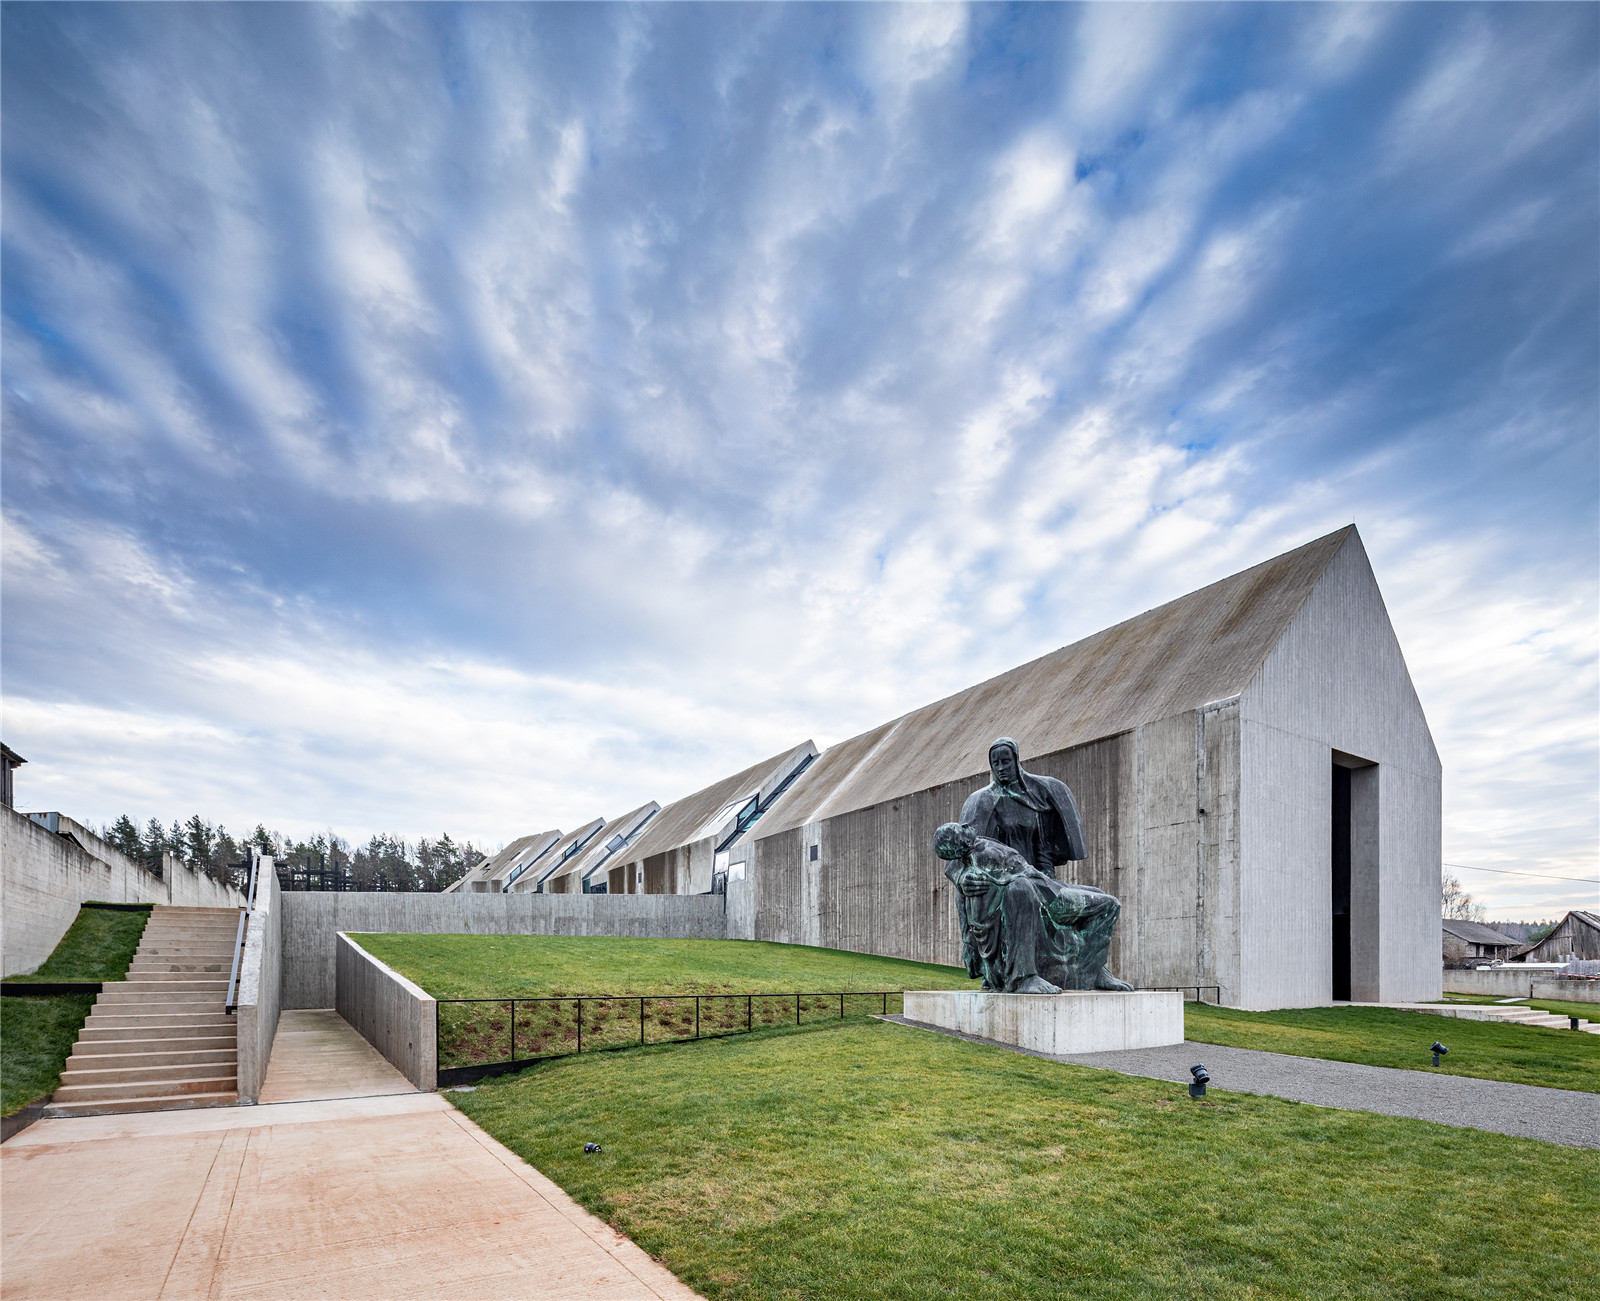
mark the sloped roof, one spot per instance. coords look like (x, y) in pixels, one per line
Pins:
(491, 867)
(595, 852)
(1478, 933)
(683, 821)
(552, 857)
(1201, 647)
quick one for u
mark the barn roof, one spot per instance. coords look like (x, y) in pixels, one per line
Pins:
(1478, 933)
(1201, 647)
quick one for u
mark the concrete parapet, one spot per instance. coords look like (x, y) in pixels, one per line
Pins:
(1517, 981)
(260, 984)
(395, 1016)
(1088, 1022)
(312, 920)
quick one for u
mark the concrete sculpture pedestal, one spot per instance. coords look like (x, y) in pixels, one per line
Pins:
(1073, 1022)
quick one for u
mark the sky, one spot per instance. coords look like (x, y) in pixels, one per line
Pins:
(485, 418)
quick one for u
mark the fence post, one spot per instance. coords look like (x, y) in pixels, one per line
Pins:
(747, 1012)
(513, 1029)
(841, 1006)
(797, 1009)
(641, 1023)
(697, 1016)
(580, 1025)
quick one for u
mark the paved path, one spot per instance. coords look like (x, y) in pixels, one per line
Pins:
(1562, 1116)
(390, 1196)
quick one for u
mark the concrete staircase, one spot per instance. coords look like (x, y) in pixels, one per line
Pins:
(160, 1039)
(1500, 1013)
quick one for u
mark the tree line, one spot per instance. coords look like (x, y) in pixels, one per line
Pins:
(383, 863)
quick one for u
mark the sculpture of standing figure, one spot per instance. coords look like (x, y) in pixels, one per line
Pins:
(1022, 931)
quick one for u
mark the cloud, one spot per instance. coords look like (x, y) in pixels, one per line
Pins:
(484, 417)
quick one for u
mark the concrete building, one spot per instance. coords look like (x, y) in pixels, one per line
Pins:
(497, 872)
(1577, 938)
(1468, 943)
(10, 761)
(1258, 783)
(588, 871)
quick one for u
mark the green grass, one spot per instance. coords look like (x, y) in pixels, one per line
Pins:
(525, 966)
(539, 966)
(870, 1160)
(98, 945)
(37, 1034)
(1557, 1059)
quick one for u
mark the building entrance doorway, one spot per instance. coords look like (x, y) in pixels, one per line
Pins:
(1353, 905)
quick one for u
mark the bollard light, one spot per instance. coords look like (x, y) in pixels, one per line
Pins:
(591, 1147)
(1437, 1049)
(1574, 1021)
(1198, 1088)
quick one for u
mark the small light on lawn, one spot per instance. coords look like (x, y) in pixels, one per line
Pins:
(1201, 1075)
(1574, 1021)
(1437, 1049)
(591, 1147)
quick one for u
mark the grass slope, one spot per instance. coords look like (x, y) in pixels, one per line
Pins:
(1557, 1059)
(37, 1034)
(870, 1160)
(490, 966)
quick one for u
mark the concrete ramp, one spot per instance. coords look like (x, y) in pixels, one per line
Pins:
(316, 1056)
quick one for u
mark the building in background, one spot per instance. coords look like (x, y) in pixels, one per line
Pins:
(1577, 938)
(1468, 943)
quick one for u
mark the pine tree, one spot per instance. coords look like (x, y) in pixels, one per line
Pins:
(124, 836)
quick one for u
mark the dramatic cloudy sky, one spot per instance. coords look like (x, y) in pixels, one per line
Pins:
(482, 418)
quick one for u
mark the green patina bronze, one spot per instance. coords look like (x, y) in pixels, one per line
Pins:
(1024, 931)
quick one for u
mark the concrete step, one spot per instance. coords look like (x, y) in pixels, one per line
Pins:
(144, 1014)
(175, 1102)
(218, 972)
(177, 982)
(128, 994)
(119, 1091)
(142, 1073)
(158, 1028)
(92, 1052)
(186, 964)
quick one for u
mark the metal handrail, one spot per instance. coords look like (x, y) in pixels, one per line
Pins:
(1181, 989)
(238, 944)
(447, 1075)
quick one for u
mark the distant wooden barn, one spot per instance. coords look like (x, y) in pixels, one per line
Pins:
(1577, 938)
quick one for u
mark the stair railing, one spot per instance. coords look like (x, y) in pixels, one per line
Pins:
(232, 1001)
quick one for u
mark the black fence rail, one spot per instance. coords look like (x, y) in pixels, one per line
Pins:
(1198, 991)
(479, 1037)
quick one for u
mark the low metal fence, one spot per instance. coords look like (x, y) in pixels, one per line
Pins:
(479, 1037)
(1199, 991)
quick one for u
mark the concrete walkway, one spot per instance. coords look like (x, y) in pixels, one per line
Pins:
(1562, 1116)
(397, 1195)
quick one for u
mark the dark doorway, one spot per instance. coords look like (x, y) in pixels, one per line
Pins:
(1341, 883)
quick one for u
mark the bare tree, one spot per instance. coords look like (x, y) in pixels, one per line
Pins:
(1459, 906)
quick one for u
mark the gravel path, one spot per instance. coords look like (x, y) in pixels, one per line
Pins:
(1562, 1116)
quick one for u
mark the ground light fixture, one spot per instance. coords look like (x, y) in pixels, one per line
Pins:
(1197, 1089)
(1574, 1021)
(1437, 1049)
(591, 1147)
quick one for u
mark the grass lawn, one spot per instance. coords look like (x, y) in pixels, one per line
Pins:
(542, 966)
(869, 1160)
(1557, 1059)
(37, 1034)
(526, 966)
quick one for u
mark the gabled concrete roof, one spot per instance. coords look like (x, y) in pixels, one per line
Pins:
(684, 821)
(586, 860)
(1478, 933)
(501, 863)
(552, 858)
(1202, 647)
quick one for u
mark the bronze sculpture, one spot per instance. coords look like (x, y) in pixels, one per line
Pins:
(1023, 931)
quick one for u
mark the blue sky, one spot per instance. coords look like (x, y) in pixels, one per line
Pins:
(483, 418)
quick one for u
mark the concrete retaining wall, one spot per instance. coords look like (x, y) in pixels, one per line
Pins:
(393, 1015)
(312, 921)
(47, 874)
(260, 984)
(1509, 982)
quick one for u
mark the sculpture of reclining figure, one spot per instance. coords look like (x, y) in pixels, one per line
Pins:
(1022, 931)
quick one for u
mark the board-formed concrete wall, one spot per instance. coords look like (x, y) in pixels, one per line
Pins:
(312, 921)
(47, 874)
(1337, 681)
(1516, 981)
(1160, 808)
(396, 1017)
(260, 983)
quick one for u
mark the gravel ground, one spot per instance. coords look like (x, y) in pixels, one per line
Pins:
(1555, 1115)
